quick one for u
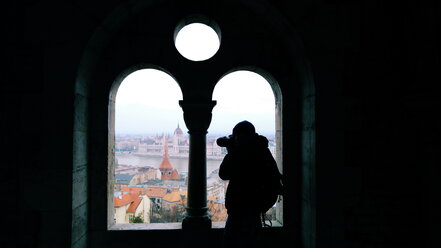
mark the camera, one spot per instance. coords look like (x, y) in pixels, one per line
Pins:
(225, 141)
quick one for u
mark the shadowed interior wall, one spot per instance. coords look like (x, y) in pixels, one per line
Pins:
(374, 65)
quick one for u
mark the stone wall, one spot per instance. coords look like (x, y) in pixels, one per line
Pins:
(374, 180)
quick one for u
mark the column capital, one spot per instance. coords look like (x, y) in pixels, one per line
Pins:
(197, 115)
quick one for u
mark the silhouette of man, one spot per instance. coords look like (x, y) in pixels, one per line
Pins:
(246, 166)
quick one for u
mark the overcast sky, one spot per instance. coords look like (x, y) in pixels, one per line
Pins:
(147, 102)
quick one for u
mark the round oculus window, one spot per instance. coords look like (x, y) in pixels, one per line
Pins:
(197, 41)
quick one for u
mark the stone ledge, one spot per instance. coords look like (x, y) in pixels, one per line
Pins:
(167, 226)
(153, 226)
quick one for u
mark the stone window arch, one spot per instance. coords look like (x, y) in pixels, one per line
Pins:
(151, 73)
(120, 41)
(274, 90)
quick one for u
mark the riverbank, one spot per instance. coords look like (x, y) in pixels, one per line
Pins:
(157, 155)
(179, 163)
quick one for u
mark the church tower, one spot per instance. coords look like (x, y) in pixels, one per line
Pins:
(167, 170)
(178, 138)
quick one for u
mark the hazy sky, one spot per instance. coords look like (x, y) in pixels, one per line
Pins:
(147, 102)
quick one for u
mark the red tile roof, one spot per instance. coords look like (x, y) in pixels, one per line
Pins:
(156, 192)
(125, 199)
(175, 196)
(132, 208)
(174, 175)
(217, 211)
(138, 191)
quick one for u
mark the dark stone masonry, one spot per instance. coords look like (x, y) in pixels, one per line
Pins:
(358, 116)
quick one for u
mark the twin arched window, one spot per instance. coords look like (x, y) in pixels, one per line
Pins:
(151, 149)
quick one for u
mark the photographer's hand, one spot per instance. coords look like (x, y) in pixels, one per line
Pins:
(229, 149)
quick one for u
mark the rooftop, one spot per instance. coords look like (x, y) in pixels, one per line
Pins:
(125, 199)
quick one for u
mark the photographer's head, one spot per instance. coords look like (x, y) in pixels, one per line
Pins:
(243, 132)
(244, 128)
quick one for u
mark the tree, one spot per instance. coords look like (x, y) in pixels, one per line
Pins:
(138, 219)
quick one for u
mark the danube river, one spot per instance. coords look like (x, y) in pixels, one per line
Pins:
(181, 164)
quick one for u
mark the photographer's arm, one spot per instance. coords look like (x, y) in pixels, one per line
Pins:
(226, 168)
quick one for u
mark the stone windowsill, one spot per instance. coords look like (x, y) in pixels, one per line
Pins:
(167, 226)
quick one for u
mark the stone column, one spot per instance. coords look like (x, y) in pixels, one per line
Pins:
(197, 117)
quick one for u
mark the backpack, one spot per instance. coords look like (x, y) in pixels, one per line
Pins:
(270, 191)
(271, 188)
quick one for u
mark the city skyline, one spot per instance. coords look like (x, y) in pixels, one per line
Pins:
(210, 134)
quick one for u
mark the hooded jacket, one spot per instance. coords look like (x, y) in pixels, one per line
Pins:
(247, 167)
